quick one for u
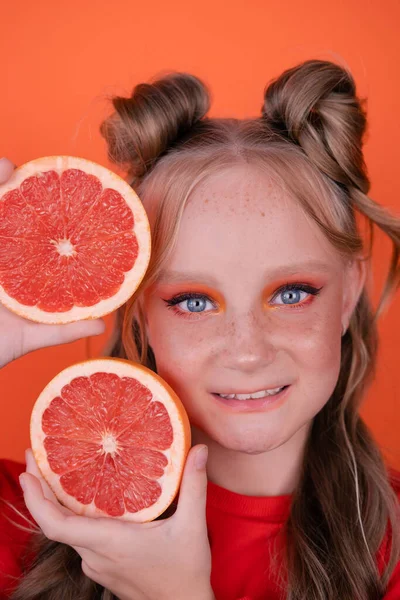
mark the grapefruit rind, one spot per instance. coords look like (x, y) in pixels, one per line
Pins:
(162, 392)
(141, 230)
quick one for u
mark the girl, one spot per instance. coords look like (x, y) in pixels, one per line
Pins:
(255, 310)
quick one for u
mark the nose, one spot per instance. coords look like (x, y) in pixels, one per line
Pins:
(249, 345)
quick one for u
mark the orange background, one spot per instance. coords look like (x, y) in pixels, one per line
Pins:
(61, 61)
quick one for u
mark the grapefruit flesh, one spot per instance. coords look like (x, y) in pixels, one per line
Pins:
(74, 240)
(111, 438)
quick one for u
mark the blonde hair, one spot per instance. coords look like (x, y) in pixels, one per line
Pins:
(309, 139)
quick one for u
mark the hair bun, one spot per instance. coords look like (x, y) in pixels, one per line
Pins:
(153, 119)
(315, 105)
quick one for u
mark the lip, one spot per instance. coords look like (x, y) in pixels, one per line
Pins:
(256, 405)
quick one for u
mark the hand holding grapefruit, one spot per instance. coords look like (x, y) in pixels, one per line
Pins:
(112, 439)
(159, 560)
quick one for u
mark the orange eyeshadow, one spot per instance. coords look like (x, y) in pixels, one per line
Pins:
(302, 278)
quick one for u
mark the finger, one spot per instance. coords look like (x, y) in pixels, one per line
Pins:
(51, 335)
(33, 469)
(31, 466)
(80, 329)
(193, 490)
(69, 529)
(6, 170)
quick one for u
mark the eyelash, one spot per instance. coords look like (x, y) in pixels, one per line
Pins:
(303, 287)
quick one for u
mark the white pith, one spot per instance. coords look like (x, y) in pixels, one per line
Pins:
(141, 230)
(255, 395)
(110, 444)
(64, 247)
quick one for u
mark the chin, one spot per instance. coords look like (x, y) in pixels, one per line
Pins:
(249, 442)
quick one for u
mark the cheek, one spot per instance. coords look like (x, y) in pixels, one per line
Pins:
(319, 346)
(181, 365)
(317, 357)
(316, 333)
(179, 348)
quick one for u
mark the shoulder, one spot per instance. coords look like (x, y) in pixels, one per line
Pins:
(13, 512)
(14, 535)
(11, 496)
(393, 589)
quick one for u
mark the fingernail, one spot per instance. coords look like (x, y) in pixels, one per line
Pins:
(201, 458)
(22, 482)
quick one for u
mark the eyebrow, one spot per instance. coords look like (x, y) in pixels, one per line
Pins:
(284, 271)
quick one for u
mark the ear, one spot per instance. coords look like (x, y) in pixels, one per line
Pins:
(355, 276)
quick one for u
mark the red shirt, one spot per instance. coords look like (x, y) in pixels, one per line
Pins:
(242, 530)
(243, 533)
(13, 541)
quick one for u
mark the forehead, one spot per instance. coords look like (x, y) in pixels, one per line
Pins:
(242, 217)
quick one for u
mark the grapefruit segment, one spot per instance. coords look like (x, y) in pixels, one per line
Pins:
(152, 428)
(109, 216)
(41, 193)
(66, 454)
(16, 218)
(79, 192)
(74, 240)
(15, 251)
(29, 281)
(82, 483)
(61, 420)
(111, 439)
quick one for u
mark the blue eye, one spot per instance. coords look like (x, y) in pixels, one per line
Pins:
(291, 296)
(190, 303)
(195, 304)
(295, 293)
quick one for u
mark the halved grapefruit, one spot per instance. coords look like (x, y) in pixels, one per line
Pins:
(111, 438)
(74, 240)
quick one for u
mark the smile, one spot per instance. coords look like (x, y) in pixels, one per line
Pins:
(253, 395)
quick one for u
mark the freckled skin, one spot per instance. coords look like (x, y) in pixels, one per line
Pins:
(251, 345)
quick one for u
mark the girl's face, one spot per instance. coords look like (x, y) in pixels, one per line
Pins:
(220, 320)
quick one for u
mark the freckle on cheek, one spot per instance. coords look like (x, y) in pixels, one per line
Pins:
(232, 328)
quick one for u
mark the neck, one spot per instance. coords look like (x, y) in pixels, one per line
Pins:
(274, 472)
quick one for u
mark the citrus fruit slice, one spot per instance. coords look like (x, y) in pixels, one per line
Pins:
(74, 240)
(111, 438)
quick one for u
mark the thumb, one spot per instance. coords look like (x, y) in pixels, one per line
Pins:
(52, 335)
(193, 490)
(6, 170)
(80, 329)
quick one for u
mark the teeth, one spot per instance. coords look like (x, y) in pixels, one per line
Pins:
(261, 394)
